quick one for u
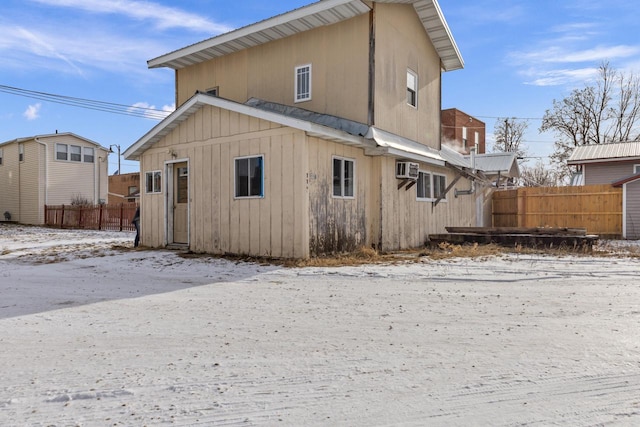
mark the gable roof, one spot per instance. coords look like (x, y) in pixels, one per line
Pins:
(621, 182)
(374, 142)
(595, 153)
(505, 164)
(315, 15)
(53, 135)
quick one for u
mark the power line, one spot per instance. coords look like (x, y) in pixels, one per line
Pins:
(89, 104)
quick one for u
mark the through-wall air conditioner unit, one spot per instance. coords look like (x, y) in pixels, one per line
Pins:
(407, 170)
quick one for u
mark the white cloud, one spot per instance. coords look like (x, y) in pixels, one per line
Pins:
(32, 112)
(561, 77)
(163, 16)
(563, 54)
(149, 111)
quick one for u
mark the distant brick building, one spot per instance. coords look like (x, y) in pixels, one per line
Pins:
(462, 131)
(124, 188)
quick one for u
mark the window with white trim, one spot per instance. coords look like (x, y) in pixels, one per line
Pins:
(636, 169)
(303, 83)
(75, 153)
(153, 182)
(62, 152)
(88, 154)
(430, 186)
(412, 88)
(424, 186)
(465, 142)
(21, 152)
(439, 186)
(249, 176)
(343, 177)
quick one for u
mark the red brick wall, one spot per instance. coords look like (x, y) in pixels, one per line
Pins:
(453, 120)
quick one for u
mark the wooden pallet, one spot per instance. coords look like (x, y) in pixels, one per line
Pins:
(546, 237)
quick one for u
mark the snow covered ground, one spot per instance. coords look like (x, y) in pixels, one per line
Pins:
(96, 333)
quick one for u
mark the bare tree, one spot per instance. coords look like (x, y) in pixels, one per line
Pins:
(509, 133)
(538, 175)
(608, 111)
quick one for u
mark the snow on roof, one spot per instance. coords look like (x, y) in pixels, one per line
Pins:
(610, 152)
(315, 15)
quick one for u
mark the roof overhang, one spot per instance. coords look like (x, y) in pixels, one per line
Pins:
(199, 100)
(603, 160)
(315, 15)
(390, 144)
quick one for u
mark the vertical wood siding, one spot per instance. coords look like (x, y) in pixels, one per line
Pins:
(341, 224)
(401, 43)
(339, 56)
(407, 222)
(275, 225)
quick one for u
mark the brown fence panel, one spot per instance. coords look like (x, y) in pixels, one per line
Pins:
(597, 208)
(98, 217)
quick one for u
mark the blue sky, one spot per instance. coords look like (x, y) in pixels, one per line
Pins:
(519, 56)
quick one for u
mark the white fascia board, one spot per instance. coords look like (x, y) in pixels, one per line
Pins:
(198, 100)
(302, 12)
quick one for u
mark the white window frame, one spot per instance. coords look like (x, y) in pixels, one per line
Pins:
(436, 193)
(343, 178)
(465, 141)
(66, 152)
(421, 177)
(156, 178)
(86, 155)
(412, 88)
(434, 178)
(301, 72)
(249, 187)
(21, 152)
(78, 153)
(636, 169)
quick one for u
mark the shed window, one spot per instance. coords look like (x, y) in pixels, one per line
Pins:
(62, 152)
(430, 186)
(303, 83)
(153, 182)
(412, 88)
(636, 168)
(21, 152)
(424, 185)
(88, 154)
(249, 176)
(75, 153)
(439, 186)
(343, 177)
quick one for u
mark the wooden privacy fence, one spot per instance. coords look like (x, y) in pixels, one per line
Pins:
(597, 208)
(98, 217)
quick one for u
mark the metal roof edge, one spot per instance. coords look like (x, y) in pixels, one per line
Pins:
(265, 24)
(201, 99)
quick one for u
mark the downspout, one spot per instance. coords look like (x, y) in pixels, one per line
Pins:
(471, 189)
(46, 173)
(372, 67)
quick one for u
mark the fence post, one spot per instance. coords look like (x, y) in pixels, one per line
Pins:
(100, 218)
(62, 218)
(121, 215)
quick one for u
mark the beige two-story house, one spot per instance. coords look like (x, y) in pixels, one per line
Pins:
(311, 132)
(52, 169)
